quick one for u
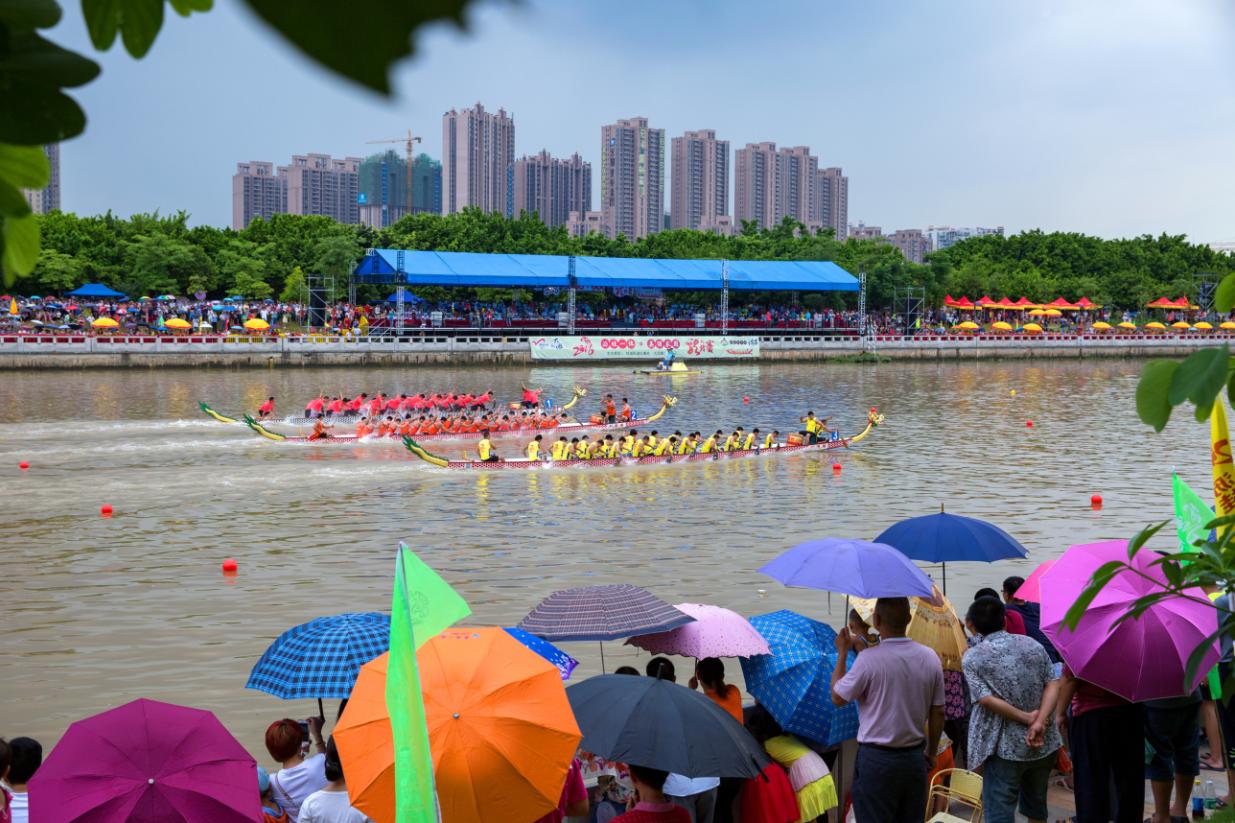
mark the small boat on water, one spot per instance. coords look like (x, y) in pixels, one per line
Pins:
(675, 369)
(873, 419)
(667, 403)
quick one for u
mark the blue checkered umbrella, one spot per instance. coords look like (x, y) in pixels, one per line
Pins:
(794, 682)
(321, 658)
(564, 662)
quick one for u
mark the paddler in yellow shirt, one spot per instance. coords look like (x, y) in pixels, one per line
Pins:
(485, 449)
(749, 442)
(652, 441)
(596, 450)
(628, 442)
(730, 443)
(771, 440)
(559, 448)
(533, 448)
(709, 445)
(666, 446)
(611, 447)
(581, 448)
(690, 444)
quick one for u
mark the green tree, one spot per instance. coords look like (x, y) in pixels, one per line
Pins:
(160, 263)
(242, 264)
(335, 257)
(57, 271)
(294, 288)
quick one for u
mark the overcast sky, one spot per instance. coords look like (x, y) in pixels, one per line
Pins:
(1111, 117)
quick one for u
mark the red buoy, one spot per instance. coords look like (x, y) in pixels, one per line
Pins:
(23, 465)
(230, 565)
(745, 399)
(105, 510)
(1029, 424)
(1096, 500)
(836, 467)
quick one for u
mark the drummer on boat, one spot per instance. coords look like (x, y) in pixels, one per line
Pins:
(485, 449)
(815, 427)
(266, 410)
(320, 430)
(667, 363)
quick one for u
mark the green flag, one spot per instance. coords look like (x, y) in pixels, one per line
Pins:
(1191, 515)
(422, 605)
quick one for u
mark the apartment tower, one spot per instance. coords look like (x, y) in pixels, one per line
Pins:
(913, 243)
(755, 192)
(321, 184)
(552, 188)
(478, 155)
(47, 198)
(797, 171)
(632, 178)
(700, 196)
(257, 191)
(832, 192)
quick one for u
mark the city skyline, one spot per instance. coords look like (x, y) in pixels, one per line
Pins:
(1003, 137)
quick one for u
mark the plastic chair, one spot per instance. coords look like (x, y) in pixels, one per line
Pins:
(964, 788)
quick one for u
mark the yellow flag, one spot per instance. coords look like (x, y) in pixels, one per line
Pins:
(1220, 457)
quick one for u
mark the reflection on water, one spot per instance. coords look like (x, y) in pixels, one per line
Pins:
(99, 611)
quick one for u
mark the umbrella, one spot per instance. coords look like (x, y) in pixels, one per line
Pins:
(104, 323)
(1126, 325)
(1227, 324)
(606, 612)
(1155, 325)
(147, 762)
(1031, 589)
(967, 325)
(1000, 325)
(1032, 328)
(254, 324)
(564, 662)
(852, 567)
(500, 730)
(321, 658)
(938, 538)
(1139, 659)
(933, 622)
(1037, 312)
(716, 632)
(1052, 313)
(1101, 326)
(794, 682)
(661, 725)
(178, 323)
(1204, 326)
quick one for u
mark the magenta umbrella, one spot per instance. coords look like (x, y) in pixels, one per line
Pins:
(1031, 589)
(1139, 659)
(716, 632)
(147, 762)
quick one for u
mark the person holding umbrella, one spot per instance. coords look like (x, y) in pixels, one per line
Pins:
(898, 686)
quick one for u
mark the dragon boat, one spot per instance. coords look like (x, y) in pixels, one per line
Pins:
(873, 419)
(667, 403)
(350, 418)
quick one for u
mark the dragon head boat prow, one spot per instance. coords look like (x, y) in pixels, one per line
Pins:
(579, 394)
(873, 419)
(667, 402)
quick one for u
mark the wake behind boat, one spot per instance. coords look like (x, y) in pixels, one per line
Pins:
(794, 445)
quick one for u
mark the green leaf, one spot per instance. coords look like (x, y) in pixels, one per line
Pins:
(1200, 378)
(1142, 537)
(1224, 297)
(1152, 403)
(138, 22)
(12, 202)
(24, 166)
(35, 60)
(1101, 577)
(363, 53)
(186, 7)
(1196, 658)
(29, 14)
(33, 109)
(21, 246)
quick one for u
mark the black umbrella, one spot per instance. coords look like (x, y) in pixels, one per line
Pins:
(661, 725)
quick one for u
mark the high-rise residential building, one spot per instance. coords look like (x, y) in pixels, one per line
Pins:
(756, 193)
(864, 232)
(478, 155)
(944, 236)
(552, 187)
(700, 191)
(321, 184)
(797, 171)
(722, 224)
(632, 178)
(832, 193)
(384, 189)
(913, 243)
(257, 191)
(581, 224)
(47, 198)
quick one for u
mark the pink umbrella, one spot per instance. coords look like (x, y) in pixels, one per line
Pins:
(1139, 659)
(147, 762)
(716, 632)
(1031, 589)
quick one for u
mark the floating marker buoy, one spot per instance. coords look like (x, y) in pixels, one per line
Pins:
(1029, 424)
(1096, 500)
(105, 510)
(23, 465)
(1013, 392)
(836, 467)
(745, 399)
(230, 565)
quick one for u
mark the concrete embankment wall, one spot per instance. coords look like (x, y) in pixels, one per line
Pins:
(481, 350)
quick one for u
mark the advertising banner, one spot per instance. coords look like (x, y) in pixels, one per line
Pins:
(613, 347)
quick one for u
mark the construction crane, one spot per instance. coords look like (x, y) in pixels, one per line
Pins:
(410, 140)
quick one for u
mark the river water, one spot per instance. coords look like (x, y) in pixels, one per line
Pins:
(98, 611)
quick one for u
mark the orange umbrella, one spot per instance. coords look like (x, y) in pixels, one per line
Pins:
(501, 730)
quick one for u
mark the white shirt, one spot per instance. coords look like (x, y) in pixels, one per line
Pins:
(19, 807)
(292, 786)
(678, 785)
(330, 807)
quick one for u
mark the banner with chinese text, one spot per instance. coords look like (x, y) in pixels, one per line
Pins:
(610, 347)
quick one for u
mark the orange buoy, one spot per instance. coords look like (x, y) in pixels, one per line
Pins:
(105, 510)
(23, 465)
(230, 565)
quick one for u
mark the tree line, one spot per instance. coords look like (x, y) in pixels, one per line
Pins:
(150, 254)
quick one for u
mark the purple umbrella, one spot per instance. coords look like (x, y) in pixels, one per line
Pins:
(1139, 659)
(852, 567)
(146, 762)
(716, 632)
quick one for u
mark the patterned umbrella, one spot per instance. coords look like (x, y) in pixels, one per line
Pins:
(321, 658)
(716, 632)
(607, 612)
(794, 682)
(564, 662)
(932, 622)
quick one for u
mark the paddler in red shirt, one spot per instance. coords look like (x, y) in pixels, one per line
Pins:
(335, 406)
(393, 403)
(376, 405)
(464, 401)
(531, 397)
(314, 406)
(363, 429)
(357, 402)
(265, 409)
(482, 400)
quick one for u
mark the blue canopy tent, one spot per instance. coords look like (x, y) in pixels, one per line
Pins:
(434, 268)
(95, 290)
(408, 297)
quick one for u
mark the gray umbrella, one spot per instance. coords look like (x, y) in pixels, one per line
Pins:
(661, 725)
(608, 612)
